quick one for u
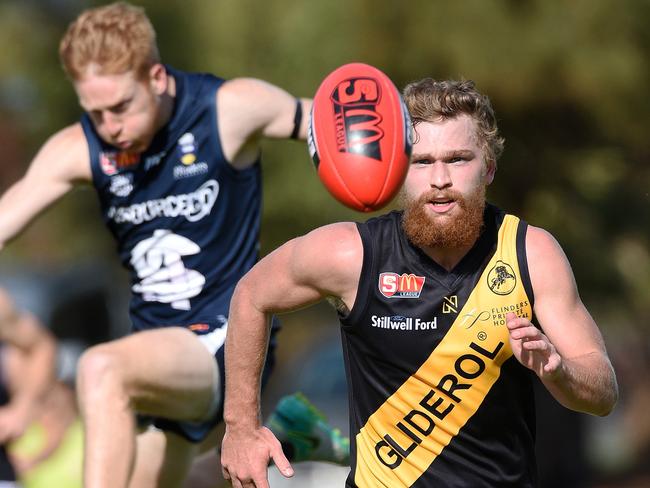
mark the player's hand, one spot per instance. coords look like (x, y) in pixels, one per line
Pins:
(245, 457)
(13, 423)
(532, 348)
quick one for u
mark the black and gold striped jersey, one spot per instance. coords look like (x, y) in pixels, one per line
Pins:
(436, 397)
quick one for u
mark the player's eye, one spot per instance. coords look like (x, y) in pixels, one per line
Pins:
(120, 108)
(95, 115)
(420, 161)
(457, 159)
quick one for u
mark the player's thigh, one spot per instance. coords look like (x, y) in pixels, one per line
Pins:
(165, 372)
(163, 460)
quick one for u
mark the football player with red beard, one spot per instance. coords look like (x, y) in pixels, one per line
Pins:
(449, 311)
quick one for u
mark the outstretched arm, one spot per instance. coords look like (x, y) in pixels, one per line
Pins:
(325, 262)
(30, 360)
(249, 110)
(568, 353)
(59, 163)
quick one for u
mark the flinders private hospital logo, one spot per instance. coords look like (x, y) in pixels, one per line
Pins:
(405, 285)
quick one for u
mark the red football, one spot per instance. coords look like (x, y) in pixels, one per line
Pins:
(359, 136)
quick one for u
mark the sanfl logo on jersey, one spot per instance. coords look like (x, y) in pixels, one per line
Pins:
(112, 162)
(108, 164)
(406, 285)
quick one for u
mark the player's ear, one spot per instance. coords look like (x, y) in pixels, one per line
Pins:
(490, 171)
(158, 78)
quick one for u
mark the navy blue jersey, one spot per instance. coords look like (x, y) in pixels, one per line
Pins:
(185, 221)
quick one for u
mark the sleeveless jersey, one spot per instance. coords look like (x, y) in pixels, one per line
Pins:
(437, 398)
(185, 221)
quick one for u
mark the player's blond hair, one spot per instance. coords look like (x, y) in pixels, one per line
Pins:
(117, 38)
(429, 100)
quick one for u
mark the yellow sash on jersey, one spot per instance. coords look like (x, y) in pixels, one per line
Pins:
(403, 437)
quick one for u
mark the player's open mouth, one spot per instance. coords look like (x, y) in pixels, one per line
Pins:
(441, 206)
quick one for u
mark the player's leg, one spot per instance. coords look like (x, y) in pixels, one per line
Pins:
(205, 471)
(303, 430)
(305, 433)
(163, 372)
(163, 459)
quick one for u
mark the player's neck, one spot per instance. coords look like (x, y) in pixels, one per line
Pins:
(447, 257)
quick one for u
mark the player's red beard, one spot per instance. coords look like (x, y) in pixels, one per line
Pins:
(425, 230)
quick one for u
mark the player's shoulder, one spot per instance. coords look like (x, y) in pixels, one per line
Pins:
(338, 239)
(246, 91)
(331, 255)
(71, 135)
(69, 149)
(540, 241)
(546, 258)
(337, 232)
(245, 85)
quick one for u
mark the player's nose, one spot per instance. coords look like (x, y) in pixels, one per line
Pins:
(439, 176)
(113, 125)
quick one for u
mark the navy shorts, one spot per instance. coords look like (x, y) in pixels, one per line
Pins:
(195, 432)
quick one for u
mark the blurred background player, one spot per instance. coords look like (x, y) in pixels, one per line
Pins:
(439, 395)
(50, 453)
(27, 371)
(175, 160)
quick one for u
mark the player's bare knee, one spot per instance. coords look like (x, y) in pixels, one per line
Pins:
(98, 374)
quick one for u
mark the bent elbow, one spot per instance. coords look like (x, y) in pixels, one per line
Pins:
(612, 400)
(608, 400)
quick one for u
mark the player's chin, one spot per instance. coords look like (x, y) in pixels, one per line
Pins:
(137, 147)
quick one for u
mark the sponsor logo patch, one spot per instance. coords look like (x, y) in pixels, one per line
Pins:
(399, 322)
(113, 162)
(153, 160)
(450, 304)
(199, 327)
(406, 285)
(192, 206)
(496, 316)
(191, 170)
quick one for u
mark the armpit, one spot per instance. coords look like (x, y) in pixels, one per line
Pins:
(339, 305)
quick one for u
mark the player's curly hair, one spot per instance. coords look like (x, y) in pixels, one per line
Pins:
(429, 100)
(117, 38)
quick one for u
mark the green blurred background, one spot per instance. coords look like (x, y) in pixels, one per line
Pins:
(569, 82)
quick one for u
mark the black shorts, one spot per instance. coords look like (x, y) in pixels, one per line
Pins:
(195, 432)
